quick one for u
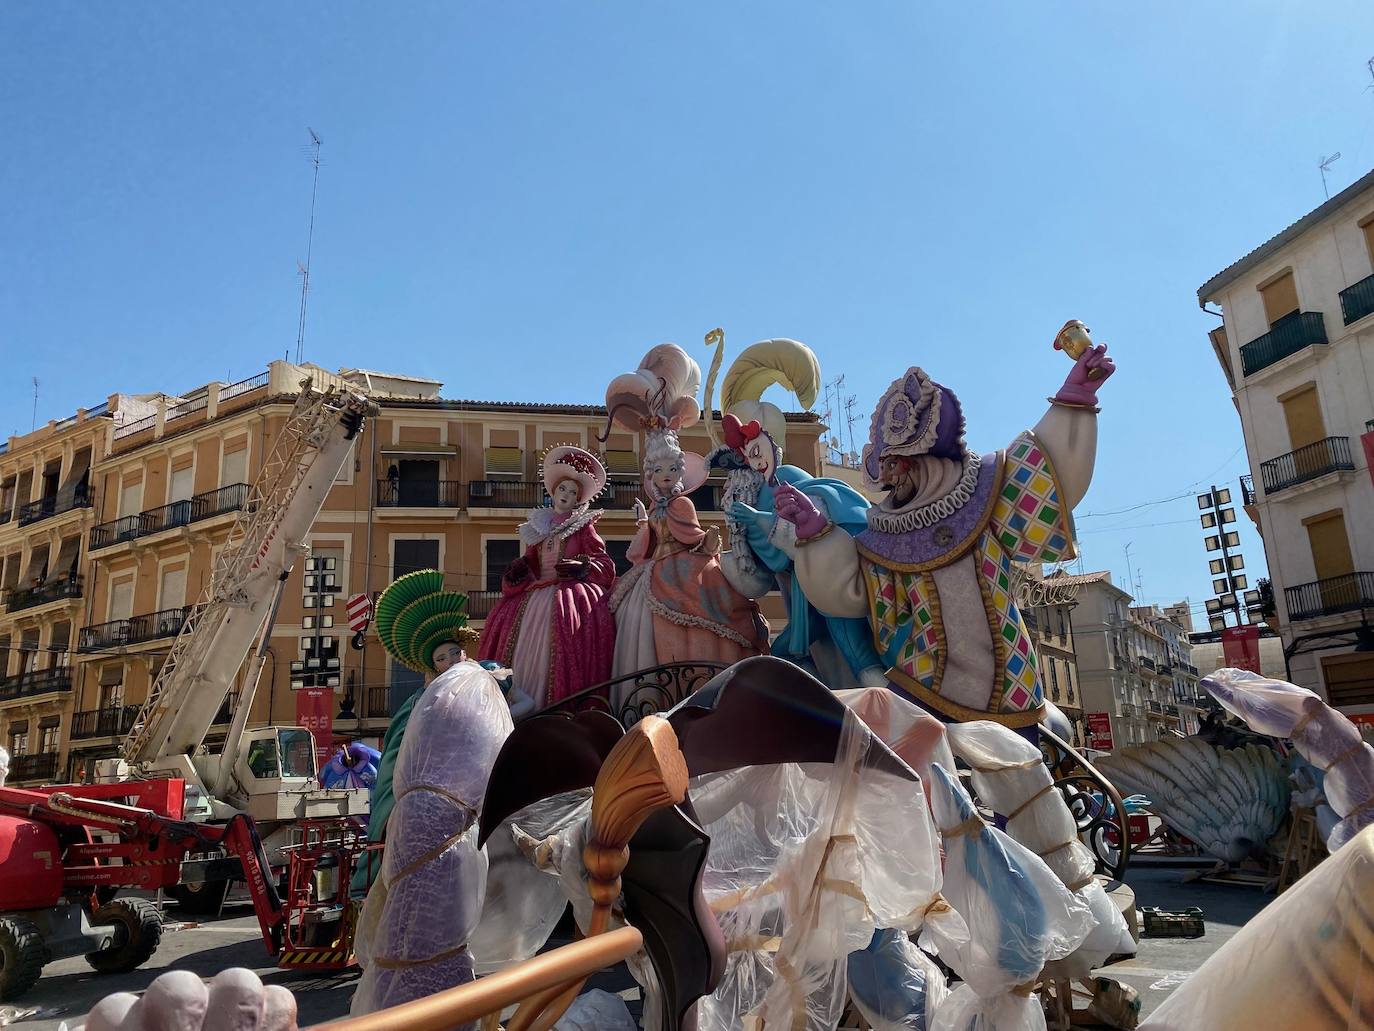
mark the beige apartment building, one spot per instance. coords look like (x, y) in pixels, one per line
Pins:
(434, 483)
(46, 500)
(1296, 345)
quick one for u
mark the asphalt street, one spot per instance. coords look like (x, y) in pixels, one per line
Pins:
(70, 988)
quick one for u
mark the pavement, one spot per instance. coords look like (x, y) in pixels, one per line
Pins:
(69, 988)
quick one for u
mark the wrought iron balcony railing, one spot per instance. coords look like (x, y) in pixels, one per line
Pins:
(419, 494)
(1357, 301)
(113, 721)
(1306, 463)
(480, 602)
(1331, 596)
(41, 766)
(243, 386)
(376, 706)
(54, 590)
(120, 633)
(505, 494)
(179, 513)
(1289, 335)
(77, 496)
(36, 682)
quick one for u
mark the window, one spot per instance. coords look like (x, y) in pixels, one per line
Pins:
(121, 600)
(19, 738)
(1349, 678)
(233, 466)
(1280, 297)
(1054, 680)
(297, 753)
(182, 484)
(1303, 414)
(130, 499)
(505, 462)
(48, 735)
(171, 592)
(1368, 227)
(500, 554)
(408, 556)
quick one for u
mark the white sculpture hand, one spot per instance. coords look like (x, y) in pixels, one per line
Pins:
(641, 514)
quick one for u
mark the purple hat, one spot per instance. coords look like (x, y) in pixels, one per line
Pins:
(916, 416)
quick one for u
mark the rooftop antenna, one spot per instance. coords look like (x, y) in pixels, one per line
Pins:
(1370, 65)
(850, 418)
(34, 424)
(1325, 165)
(304, 270)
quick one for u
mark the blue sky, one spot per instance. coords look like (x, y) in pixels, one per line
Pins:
(519, 199)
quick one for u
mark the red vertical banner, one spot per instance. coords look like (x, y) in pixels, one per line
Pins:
(1240, 647)
(315, 712)
(1367, 439)
(1100, 731)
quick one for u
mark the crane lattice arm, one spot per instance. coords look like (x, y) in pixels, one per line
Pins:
(218, 634)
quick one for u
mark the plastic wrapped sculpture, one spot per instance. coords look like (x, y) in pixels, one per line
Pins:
(1013, 917)
(413, 932)
(553, 626)
(839, 650)
(932, 572)
(895, 985)
(1322, 735)
(1229, 801)
(676, 604)
(424, 628)
(1303, 962)
(352, 766)
(1009, 775)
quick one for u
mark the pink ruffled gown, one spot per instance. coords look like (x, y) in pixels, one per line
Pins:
(556, 635)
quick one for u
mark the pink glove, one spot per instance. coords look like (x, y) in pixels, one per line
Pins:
(1078, 389)
(799, 510)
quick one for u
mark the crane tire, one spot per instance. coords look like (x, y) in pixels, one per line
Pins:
(138, 931)
(21, 956)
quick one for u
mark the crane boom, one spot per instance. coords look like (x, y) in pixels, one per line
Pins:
(219, 632)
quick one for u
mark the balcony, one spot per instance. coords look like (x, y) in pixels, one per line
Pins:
(121, 633)
(1288, 336)
(419, 494)
(1307, 463)
(1153, 708)
(41, 767)
(115, 721)
(179, 513)
(79, 496)
(36, 682)
(1247, 490)
(505, 494)
(480, 603)
(1147, 663)
(1357, 301)
(1332, 596)
(55, 590)
(377, 707)
(1267, 607)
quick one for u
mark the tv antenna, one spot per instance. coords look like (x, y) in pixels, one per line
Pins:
(1325, 165)
(304, 270)
(34, 424)
(850, 419)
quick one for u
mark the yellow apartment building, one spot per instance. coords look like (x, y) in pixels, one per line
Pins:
(433, 483)
(46, 510)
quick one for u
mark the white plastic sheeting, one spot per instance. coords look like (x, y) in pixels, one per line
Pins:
(412, 938)
(1010, 776)
(895, 985)
(1324, 737)
(806, 861)
(1010, 916)
(1303, 962)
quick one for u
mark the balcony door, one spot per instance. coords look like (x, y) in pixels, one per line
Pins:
(1302, 412)
(1280, 298)
(1332, 560)
(1349, 679)
(172, 589)
(419, 483)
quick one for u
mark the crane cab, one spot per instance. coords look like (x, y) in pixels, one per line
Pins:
(277, 775)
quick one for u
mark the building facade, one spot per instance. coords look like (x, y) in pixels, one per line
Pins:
(46, 509)
(1296, 345)
(433, 483)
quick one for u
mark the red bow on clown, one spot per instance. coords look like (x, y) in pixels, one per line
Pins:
(738, 434)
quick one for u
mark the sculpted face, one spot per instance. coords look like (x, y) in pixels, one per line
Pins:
(666, 476)
(566, 496)
(446, 656)
(895, 473)
(759, 454)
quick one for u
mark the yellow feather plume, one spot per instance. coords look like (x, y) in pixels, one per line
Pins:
(760, 365)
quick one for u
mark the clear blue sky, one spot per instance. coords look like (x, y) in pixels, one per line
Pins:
(519, 199)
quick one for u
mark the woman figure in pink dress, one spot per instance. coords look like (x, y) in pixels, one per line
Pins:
(675, 604)
(553, 626)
